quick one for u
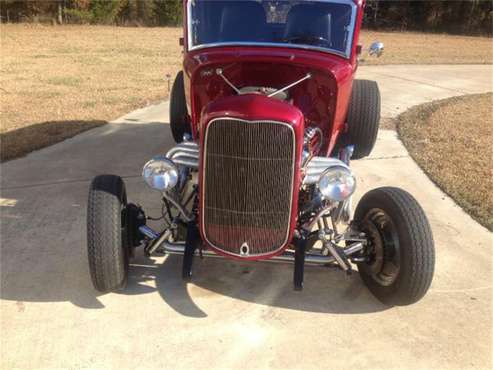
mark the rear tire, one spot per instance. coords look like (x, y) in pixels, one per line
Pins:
(363, 117)
(178, 114)
(401, 253)
(107, 241)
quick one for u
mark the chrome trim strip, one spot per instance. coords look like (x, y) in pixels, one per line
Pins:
(346, 54)
(271, 45)
(202, 191)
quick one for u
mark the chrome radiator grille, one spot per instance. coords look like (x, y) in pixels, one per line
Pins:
(247, 185)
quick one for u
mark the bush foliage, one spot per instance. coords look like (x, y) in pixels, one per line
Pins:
(470, 17)
(116, 12)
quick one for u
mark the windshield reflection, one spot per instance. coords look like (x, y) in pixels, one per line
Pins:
(321, 25)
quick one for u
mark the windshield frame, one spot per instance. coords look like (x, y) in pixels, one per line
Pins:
(346, 54)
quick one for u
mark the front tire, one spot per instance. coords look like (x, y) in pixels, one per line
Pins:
(107, 241)
(401, 254)
(178, 114)
(363, 117)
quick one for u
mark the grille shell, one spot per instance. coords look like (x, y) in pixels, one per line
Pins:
(247, 191)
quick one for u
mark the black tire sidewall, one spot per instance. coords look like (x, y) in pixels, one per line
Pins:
(401, 291)
(388, 207)
(363, 117)
(178, 114)
(107, 243)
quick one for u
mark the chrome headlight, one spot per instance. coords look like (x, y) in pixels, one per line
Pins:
(160, 173)
(337, 184)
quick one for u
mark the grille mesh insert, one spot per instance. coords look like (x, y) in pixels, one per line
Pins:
(247, 182)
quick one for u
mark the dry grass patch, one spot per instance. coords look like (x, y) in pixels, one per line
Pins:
(425, 48)
(82, 75)
(62, 80)
(451, 140)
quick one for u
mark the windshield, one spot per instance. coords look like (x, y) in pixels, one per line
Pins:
(321, 25)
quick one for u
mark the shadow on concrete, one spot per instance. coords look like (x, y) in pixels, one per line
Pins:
(19, 142)
(53, 279)
(43, 255)
(43, 242)
(326, 290)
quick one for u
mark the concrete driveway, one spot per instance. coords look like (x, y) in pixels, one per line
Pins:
(233, 315)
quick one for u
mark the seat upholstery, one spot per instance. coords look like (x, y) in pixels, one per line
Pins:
(308, 20)
(243, 21)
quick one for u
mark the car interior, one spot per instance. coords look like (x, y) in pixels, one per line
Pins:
(318, 23)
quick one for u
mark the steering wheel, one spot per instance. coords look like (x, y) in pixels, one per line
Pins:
(307, 38)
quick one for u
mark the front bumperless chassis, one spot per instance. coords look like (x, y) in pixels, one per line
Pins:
(321, 227)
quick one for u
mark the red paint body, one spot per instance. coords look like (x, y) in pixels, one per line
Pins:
(321, 101)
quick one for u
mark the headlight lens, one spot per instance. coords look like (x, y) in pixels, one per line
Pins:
(160, 173)
(337, 184)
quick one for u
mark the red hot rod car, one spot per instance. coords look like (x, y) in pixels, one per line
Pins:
(266, 115)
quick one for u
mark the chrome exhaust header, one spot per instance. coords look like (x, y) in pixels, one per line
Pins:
(185, 154)
(318, 165)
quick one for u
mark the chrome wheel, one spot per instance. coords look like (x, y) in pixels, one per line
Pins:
(383, 251)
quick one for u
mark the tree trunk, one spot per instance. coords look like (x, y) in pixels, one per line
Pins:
(60, 13)
(375, 14)
(471, 16)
